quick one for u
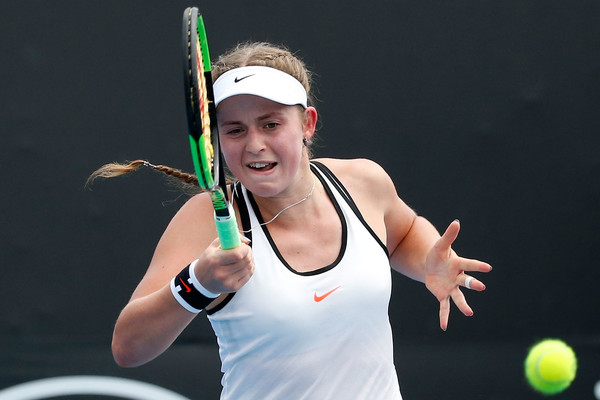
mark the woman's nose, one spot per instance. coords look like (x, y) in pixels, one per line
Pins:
(255, 141)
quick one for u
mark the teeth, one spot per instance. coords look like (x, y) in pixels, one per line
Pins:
(259, 165)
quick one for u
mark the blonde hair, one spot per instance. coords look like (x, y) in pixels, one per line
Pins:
(244, 54)
(185, 181)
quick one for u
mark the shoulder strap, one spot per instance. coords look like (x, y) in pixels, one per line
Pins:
(346, 195)
(238, 198)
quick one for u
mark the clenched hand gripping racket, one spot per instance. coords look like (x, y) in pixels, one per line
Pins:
(202, 122)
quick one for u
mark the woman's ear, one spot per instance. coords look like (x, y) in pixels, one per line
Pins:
(310, 122)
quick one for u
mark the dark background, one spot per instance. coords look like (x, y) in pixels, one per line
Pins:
(485, 111)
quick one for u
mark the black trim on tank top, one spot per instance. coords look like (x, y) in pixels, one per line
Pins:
(274, 246)
(238, 198)
(222, 304)
(346, 195)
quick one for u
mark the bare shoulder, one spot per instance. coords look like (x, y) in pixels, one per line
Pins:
(360, 175)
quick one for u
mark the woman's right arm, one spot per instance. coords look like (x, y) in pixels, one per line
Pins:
(153, 319)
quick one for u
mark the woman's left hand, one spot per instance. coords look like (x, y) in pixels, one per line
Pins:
(445, 273)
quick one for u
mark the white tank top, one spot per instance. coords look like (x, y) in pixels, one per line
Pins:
(320, 335)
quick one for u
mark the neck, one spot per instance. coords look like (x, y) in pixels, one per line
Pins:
(286, 207)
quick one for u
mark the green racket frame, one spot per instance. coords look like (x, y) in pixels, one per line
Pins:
(202, 124)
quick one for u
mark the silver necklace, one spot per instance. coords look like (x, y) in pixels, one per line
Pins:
(286, 208)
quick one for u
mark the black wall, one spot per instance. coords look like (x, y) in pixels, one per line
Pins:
(484, 111)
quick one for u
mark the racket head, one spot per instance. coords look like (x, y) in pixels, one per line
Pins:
(200, 106)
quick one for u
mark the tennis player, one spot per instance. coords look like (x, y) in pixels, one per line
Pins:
(300, 309)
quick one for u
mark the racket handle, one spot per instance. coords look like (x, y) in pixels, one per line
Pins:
(227, 229)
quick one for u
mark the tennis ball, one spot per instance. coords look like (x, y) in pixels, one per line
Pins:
(550, 366)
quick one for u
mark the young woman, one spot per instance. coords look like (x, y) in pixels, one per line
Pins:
(300, 308)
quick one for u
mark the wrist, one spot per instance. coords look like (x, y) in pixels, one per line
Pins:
(189, 292)
(197, 283)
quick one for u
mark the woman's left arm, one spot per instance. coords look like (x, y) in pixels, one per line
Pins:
(425, 256)
(418, 251)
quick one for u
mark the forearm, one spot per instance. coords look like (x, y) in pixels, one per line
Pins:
(410, 255)
(147, 326)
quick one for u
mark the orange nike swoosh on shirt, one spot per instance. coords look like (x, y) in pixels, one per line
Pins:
(187, 288)
(321, 298)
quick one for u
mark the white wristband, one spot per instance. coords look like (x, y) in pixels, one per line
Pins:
(197, 285)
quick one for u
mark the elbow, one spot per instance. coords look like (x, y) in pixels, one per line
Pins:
(138, 337)
(127, 344)
(123, 354)
(133, 351)
(127, 352)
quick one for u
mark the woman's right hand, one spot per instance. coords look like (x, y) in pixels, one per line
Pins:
(225, 271)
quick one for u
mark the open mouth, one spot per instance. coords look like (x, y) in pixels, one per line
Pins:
(262, 166)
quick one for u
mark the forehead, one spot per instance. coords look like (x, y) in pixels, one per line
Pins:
(244, 104)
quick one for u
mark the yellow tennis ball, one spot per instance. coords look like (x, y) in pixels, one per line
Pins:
(550, 366)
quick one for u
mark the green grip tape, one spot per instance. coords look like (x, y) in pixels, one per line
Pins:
(227, 229)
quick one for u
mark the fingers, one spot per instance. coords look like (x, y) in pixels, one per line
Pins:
(445, 283)
(445, 242)
(469, 282)
(444, 313)
(233, 280)
(461, 303)
(229, 256)
(223, 271)
(459, 299)
(235, 269)
(475, 265)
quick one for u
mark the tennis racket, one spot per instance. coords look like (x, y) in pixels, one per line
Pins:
(202, 126)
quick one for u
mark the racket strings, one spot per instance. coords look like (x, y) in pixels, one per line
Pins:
(198, 100)
(203, 100)
(312, 190)
(190, 72)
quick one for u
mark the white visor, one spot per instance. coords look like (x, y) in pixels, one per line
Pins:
(270, 83)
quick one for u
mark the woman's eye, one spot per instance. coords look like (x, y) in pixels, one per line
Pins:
(235, 131)
(271, 125)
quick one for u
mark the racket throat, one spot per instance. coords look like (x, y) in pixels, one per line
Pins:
(222, 208)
